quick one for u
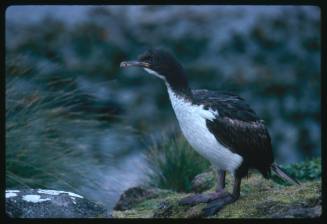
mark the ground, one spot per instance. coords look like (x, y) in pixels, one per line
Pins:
(260, 198)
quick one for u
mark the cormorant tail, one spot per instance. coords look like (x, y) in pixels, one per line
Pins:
(280, 173)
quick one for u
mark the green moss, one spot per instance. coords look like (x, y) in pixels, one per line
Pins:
(264, 203)
(260, 198)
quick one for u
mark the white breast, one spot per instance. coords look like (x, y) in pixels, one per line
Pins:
(192, 120)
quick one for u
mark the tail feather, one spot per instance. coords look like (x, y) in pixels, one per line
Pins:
(279, 172)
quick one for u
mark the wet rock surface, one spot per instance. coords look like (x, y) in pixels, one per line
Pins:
(40, 203)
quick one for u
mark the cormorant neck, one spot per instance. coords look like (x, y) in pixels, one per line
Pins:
(178, 84)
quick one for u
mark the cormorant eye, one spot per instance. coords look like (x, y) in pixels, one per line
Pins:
(146, 58)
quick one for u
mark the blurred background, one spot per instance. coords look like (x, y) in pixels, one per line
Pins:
(75, 121)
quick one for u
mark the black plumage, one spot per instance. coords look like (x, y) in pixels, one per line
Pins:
(239, 129)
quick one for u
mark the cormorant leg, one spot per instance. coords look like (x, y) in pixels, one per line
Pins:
(217, 204)
(220, 180)
(207, 197)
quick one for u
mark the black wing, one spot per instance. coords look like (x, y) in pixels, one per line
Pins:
(238, 128)
(227, 104)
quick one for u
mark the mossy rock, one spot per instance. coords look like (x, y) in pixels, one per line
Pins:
(260, 198)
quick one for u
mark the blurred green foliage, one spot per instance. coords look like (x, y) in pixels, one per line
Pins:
(310, 169)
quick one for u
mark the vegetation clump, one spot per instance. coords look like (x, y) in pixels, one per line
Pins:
(174, 164)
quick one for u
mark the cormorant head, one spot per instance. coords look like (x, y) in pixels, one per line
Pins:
(158, 62)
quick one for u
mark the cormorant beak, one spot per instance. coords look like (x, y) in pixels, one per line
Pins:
(134, 64)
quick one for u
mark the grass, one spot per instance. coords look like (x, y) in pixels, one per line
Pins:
(57, 139)
(174, 164)
(44, 137)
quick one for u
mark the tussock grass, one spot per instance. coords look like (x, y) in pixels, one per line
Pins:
(44, 137)
(174, 163)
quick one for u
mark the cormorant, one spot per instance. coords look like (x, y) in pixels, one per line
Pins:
(220, 126)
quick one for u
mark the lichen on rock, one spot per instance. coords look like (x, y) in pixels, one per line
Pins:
(41, 203)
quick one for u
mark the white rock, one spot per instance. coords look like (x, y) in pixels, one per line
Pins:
(54, 192)
(10, 194)
(34, 198)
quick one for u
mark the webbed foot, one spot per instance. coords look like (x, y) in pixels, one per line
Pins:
(215, 205)
(202, 198)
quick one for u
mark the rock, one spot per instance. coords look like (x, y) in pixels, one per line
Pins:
(40, 203)
(260, 198)
(164, 210)
(202, 182)
(136, 194)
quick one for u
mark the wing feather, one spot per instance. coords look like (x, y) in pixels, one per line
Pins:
(237, 127)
